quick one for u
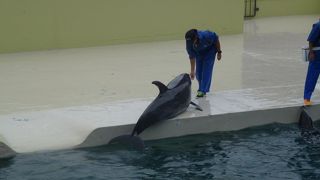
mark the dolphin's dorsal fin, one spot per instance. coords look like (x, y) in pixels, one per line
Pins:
(162, 88)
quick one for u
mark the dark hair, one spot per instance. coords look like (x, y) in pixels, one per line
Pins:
(191, 35)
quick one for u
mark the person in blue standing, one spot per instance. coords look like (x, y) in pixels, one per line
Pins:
(202, 47)
(314, 63)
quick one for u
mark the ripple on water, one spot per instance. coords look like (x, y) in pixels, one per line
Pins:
(272, 152)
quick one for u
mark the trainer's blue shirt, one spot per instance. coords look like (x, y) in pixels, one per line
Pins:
(314, 37)
(207, 41)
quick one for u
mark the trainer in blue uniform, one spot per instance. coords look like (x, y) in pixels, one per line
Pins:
(314, 63)
(202, 47)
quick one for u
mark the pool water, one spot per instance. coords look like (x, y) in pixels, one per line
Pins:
(274, 151)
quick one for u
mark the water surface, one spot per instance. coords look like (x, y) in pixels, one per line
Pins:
(269, 152)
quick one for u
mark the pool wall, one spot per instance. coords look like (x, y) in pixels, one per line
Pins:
(55, 24)
(203, 124)
(52, 24)
(269, 8)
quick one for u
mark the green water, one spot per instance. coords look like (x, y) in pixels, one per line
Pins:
(269, 152)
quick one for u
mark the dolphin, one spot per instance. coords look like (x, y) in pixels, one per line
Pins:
(171, 101)
(309, 133)
(6, 152)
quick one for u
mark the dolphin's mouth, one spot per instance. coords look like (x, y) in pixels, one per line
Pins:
(175, 82)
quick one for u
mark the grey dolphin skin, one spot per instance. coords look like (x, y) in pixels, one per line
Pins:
(172, 100)
(6, 152)
(309, 133)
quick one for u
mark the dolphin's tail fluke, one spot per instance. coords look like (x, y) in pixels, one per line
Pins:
(6, 152)
(197, 106)
(129, 141)
(309, 133)
(305, 121)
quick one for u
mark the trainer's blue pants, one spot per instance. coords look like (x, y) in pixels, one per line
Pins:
(204, 69)
(312, 78)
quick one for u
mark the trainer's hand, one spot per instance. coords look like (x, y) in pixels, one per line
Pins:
(311, 55)
(219, 56)
(192, 75)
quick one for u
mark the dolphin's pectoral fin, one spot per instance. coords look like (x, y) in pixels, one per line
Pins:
(128, 141)
(197, 106)
(162, 88)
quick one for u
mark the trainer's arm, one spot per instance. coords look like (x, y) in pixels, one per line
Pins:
(311, 51)
(192, 65)
(218, 47)
(313, 38)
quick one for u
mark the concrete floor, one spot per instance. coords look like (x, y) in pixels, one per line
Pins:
(66, 94)
(267, 54)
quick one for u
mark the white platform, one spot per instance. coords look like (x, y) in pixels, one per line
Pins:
(68, 98)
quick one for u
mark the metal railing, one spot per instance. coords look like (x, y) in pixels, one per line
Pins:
(250, 8)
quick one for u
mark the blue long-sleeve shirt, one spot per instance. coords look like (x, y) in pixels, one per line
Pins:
(207, 41)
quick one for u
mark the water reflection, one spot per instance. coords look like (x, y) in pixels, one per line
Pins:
(6, 162)
(272, 152)
(306, 161)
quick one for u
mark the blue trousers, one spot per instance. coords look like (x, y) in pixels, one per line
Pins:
(204, 69)
(312, 78)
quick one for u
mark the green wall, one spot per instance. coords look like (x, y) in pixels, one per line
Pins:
(287, 7)
(50, 24)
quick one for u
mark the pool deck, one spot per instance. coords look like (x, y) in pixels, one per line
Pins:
(61, 99)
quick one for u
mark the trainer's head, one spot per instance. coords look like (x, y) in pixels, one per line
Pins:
(191, 35)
